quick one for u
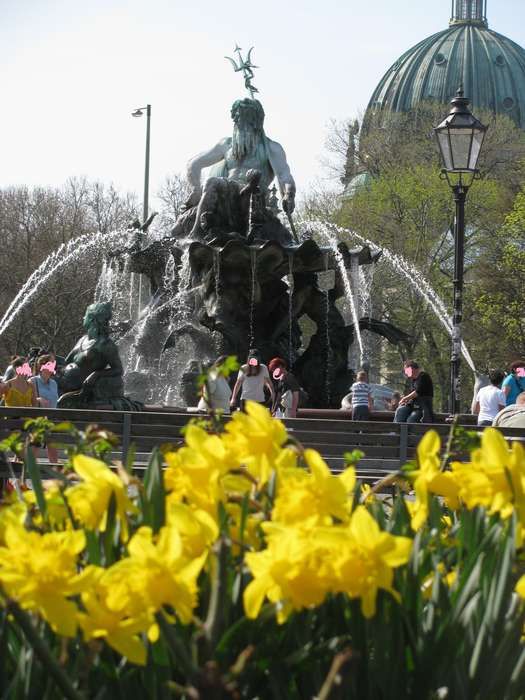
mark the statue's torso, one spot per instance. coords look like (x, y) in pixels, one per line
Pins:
(257, 160)
(89, 355)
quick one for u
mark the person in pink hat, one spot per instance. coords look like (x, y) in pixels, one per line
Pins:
(287, 389)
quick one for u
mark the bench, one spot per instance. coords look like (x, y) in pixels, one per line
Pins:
(387, 446)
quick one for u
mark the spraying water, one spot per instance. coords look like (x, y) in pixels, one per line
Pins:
(77, 248)
(407, 270)
(332, 240)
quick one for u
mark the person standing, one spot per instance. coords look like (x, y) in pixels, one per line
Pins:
(514, 382)
(251, 381)
(216, 393)
(19, 391)
(46, 390)
(416, 406)
(490, 400)
(287, 390)
(362, 402)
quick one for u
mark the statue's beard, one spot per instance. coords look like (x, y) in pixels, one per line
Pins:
(244, 141)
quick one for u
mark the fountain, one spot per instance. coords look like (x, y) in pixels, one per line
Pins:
(243, 277)
(230, 275)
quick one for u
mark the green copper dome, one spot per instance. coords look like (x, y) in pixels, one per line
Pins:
(490, 67)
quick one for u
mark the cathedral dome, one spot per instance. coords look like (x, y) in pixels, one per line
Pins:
(489, 66)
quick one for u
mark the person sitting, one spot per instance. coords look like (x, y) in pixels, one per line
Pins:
(514, 382)
(490, 399)
(416, 406)
(287, 390)
(216, 393)
(19, 391)
(253, 377)
(46, 390)
(362, 402)
(512, 416)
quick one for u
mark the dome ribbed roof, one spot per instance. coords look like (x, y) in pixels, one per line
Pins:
(490, 67)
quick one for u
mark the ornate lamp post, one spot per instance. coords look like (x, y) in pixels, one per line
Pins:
(460, 137)
(138, 113)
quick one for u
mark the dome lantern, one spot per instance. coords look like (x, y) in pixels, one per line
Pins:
(469, 12)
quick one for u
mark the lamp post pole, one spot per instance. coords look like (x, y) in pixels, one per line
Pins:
(138, 113)
(460, 138)
(145, 204)
(460, 195)
(146, 167)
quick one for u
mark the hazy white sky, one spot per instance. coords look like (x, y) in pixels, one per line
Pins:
(73, 70)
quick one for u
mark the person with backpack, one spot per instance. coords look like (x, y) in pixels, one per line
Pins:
(514, 383)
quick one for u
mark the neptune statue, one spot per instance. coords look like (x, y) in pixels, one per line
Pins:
(220, 206)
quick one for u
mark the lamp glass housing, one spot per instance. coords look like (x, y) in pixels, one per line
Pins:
(460, 138)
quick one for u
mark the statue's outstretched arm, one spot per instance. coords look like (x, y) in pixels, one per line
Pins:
(204, 160)
(280, 167)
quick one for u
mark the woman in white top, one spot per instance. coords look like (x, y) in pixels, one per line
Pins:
(216, 392)
(490, 399)
(253, 377)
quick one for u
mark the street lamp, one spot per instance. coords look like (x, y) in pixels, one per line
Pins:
(460, 137)
(138, 113)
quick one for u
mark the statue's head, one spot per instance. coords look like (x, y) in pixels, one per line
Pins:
(97, 318)
(248, 112)
(248, 120)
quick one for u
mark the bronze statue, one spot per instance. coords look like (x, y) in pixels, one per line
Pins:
(93, 373)
(221, 205)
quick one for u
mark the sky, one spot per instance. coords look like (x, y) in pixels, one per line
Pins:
(72, 71)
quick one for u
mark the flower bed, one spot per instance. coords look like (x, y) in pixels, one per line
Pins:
(245, 569)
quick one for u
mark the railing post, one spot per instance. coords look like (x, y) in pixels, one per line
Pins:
(126, 435)
(403, 443)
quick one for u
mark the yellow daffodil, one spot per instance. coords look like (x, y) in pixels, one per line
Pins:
(40, 573)
(429, 478)
(197, 529)
(12, 514)
(294, 572)
(256, 439)
(194, 471)
(495, 477)
(365, 557)
(315, 497)
(57, 514)
(89, 500)
(155, 574)
(116, 625)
